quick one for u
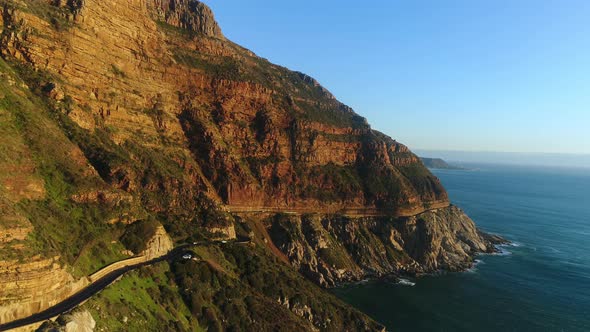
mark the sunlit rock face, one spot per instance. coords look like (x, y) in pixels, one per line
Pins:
(142, 108)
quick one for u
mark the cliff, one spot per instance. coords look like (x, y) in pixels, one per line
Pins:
(28, 288)
(152, 84)
(336, 249)
(120, 115)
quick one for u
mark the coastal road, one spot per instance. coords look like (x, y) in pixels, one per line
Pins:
(90, 290)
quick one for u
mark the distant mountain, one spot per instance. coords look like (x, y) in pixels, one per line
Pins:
(512, 158)
(438, 163)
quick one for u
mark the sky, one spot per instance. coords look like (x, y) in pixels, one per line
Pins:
(470, 75)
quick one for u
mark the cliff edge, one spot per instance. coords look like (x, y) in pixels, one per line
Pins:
(121, 115)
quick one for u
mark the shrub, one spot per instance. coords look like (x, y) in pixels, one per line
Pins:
(138, 234)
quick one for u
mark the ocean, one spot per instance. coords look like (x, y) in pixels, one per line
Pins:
(539, 283)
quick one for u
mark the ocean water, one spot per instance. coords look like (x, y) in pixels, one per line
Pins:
(540, 283)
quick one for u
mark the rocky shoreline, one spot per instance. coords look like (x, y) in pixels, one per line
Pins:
(331, 250)
(401, 277)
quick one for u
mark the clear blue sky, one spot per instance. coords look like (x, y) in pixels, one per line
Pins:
(476, 75)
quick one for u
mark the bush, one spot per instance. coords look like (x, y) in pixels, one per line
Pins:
(138, 234)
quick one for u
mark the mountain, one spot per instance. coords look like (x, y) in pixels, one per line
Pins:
(132, 127)
(437, 163)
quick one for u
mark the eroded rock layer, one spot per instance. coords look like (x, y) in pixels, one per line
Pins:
(121, 116)
(259, 135)
(336, 249)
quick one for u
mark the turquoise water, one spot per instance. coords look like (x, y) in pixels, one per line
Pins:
(542, 283)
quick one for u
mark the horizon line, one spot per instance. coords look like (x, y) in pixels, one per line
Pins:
(509, 152)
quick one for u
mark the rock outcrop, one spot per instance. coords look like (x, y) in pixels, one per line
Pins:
(336, 249)
(191, 15)
(159, 245)
(29, 287)
(75, 321)
(79, 322)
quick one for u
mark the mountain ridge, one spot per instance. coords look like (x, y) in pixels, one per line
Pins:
(130, 115)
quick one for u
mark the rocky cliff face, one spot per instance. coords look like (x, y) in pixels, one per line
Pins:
(191, 15)
(336, 249)
(258, 136)
(158, 245)
(29, 287)
(148, 111)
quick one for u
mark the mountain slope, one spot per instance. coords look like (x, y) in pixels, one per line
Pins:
(124, 111)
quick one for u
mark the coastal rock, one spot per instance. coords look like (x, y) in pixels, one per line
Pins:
(336, 249)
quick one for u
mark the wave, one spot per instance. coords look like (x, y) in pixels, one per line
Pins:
(405, 282)
(502, 251)
(473, 269)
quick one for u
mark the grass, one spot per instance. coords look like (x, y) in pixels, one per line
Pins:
(249, 302)
(421, 179)
(225, 68)
(149, 300)
(60, 226)
(60, 18)
(332, 182)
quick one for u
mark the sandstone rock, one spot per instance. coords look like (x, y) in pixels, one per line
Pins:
(191, 15)
(159, 245)
(79, 322)
(32, 286)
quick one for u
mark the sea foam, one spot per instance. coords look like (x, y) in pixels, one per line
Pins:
(405, 282)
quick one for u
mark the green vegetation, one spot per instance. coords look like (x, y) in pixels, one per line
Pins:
(174, 30)
(333, 182)
(118, 72)
(222, 68)
(249, 302)
(421, 179)
(143, 300)
(77, 232)
(230, 288)
(329, 114)
(256, 165)
(138, 234)
(60, 18)
(313, 102)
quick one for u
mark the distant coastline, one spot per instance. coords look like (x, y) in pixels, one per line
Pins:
(438, 163)
(511, 158)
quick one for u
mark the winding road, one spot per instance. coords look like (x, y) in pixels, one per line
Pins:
(90, 290)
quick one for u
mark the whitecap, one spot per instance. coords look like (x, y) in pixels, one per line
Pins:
(502, 252)
(405, 282)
